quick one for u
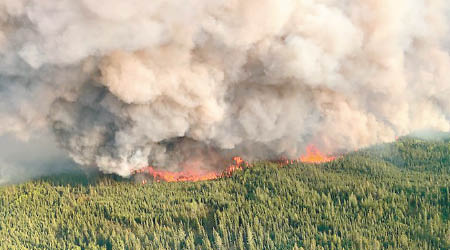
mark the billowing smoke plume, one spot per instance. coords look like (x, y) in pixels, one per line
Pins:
(127, 84)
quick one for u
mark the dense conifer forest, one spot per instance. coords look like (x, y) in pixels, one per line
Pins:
(391, 196)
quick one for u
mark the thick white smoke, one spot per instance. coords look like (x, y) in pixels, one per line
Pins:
(169, 83)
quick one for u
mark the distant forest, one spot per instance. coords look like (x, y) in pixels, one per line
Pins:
(390, 196)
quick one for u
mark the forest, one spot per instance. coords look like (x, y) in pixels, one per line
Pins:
(388, 196)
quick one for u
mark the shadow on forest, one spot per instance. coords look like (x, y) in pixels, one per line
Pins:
(81, 179)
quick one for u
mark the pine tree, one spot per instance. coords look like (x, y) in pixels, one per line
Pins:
(217, 240)
(250, 240)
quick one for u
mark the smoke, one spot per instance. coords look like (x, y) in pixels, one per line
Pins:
(36, 157)
(127, 84)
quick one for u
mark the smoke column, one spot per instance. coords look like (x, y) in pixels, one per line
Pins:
(126, 84)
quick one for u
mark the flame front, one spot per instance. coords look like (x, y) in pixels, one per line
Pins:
(313, 155)
(179, 176)
(186, 175)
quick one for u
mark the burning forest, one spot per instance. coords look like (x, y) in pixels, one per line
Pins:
(190, 173)
(224, 124)
(185, 87)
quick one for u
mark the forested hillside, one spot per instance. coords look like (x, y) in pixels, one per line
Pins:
(389, 196)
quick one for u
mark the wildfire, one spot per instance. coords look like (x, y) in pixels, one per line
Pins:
(169, 176)
(187, 175)
(313, 155)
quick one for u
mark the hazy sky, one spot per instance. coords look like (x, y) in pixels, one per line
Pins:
(21, 160)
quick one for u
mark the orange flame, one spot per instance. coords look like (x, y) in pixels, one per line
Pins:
(186, 175)
(313, 155)
(190, 176)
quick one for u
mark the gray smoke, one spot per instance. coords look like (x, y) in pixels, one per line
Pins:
(38, 156)
(176, 85)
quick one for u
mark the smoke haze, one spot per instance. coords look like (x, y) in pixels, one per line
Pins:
(126, 84)
(38, 156)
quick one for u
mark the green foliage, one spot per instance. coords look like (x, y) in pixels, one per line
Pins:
(386, 197)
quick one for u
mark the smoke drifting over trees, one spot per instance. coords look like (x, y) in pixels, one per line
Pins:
(126, 84)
